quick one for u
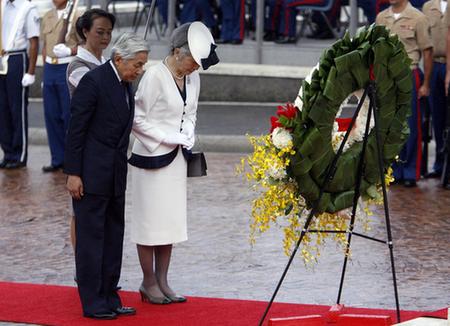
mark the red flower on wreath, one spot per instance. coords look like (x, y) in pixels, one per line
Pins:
(289, 111)
(275, 123)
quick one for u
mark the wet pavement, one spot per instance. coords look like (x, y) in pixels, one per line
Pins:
(217, 260)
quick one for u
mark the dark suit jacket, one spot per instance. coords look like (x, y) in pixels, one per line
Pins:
(99, 130)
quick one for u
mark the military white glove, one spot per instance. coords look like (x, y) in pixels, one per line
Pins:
(177, 139)
(27, 80)
(188, 130)
(61, 50)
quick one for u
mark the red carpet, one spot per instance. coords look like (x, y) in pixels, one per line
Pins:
(59, 305)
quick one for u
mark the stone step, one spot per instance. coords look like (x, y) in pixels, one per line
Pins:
(236, 82)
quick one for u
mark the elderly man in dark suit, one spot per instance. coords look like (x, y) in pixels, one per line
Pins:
(102, 111)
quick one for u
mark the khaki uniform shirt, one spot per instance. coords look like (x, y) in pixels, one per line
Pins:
(447, 16)
(412, 28)
(438, 25)
(50, 29)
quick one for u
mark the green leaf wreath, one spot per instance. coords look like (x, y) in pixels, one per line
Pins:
(288, 166)
(343, 69)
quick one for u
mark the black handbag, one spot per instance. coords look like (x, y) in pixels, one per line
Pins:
(196, 165)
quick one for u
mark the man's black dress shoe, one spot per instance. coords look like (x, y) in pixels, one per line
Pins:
(236, 42)
(409, 183)
(125, 311)
(433, 174)
(285, 40)
(3, 164)
(222, 41)
(270, 36)
(103, 315)
(15, 165)
(322, 35)
(447, 186)
(51, 168)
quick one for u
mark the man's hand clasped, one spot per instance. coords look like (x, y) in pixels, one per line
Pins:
(62, 51)
(74, 185)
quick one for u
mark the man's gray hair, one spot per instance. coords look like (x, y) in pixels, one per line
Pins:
(127, 45)
(179, 39)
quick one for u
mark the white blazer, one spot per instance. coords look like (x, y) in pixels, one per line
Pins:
(160, 110)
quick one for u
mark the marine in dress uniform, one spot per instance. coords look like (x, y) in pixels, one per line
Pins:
(19, 29)
(413, 29)
(198, 10)
(447, 74)
(434, 10)
(233, 21)
(55, 91)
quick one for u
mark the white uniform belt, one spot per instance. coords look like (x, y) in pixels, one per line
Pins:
(440, 59)
(14, 52)
(58, 61)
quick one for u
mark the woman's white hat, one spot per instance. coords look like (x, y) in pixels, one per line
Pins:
(202, 46)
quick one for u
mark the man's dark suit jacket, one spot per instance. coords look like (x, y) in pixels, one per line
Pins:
(98, 134)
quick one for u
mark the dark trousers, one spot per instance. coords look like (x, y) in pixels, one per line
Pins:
(56, 109)
(98, 253)
(288, 18)
(14, 110)
(438, 105)
(197, 10)
(233, 23)
(411, 154)
(271, 15)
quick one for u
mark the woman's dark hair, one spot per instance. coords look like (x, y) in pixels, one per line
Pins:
(86, 20)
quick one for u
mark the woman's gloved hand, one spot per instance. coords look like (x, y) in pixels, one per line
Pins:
(178, 138)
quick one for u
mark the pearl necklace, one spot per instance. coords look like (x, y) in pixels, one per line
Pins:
(173, 73)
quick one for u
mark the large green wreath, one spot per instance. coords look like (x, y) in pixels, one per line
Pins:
(343, 69)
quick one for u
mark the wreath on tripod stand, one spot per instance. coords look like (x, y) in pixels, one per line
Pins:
(288, 166)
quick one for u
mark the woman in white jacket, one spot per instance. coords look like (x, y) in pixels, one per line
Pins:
(164, 124)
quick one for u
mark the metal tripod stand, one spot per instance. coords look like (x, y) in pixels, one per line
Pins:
(369, 91)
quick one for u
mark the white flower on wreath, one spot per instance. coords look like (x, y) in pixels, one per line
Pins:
(281, 138)
(357, 133)
(298, 100)
(276, 173)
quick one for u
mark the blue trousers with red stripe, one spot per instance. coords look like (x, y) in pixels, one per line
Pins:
(197, 10)
(408, 168)
(271, 15)
(14, 110)
(233, 12)
(288, 18)
(56, 109)
(438, 105)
